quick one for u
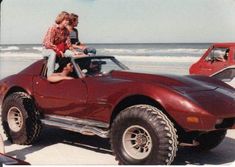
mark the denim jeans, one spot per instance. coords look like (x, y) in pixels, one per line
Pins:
(68, 53)
(50, 53)
(90, 51)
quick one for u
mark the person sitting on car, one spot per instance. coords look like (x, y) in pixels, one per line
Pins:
(63, 72)
(80, 47)
(57, 42)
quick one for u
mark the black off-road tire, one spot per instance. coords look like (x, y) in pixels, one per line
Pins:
(210, 140)
(19, 107)
(159, 131)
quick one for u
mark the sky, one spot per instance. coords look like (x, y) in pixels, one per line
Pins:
(122, 21)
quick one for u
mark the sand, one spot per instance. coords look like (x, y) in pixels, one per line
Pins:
(61, 147)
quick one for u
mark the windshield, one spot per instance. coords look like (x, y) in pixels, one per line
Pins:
(226, 75)
(98, 65)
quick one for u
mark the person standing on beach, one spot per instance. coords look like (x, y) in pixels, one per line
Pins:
(73, 22)
(57, 42)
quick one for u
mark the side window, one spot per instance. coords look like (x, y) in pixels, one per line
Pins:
(227, 74)
(97, 66)
(218, 54)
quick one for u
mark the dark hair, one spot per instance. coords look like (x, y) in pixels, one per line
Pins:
(72, 18)
(63, 63)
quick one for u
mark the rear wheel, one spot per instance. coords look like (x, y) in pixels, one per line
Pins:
(142, 134)
(20, 119)
(210, 140)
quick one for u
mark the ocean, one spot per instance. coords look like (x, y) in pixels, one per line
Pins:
(155, 58)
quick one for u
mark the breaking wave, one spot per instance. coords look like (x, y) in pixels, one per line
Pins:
(37, 48)
(9, 48)
(152, 59)
(154, 51)
(20, 55)
(128, 58)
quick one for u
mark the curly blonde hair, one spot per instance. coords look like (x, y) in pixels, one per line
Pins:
(61, 17)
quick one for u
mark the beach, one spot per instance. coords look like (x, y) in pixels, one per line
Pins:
(149, 58)
(61, 147)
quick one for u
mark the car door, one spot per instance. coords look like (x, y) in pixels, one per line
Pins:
(64, 98)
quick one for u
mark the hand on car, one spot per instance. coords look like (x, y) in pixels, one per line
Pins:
(79, 54)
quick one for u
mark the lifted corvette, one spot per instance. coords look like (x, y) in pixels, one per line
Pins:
(145, 116)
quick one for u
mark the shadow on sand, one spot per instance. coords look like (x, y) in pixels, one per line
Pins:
(51, 136)
(222, 154)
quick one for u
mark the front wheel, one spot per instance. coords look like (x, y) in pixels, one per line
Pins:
(142, 134)
(20, 119)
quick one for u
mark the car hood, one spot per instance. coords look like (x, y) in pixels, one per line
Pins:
(210, 94)
(179, 83)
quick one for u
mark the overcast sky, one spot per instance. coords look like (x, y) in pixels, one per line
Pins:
(123, 21)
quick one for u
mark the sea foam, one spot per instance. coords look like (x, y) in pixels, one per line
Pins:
(20, 55)
(152, 59)
(9, 48)
(121, 58)
(154, 51)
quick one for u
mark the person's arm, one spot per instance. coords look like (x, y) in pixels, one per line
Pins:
(78, 44)
(57, 78)
(49, 38)
(82, 46)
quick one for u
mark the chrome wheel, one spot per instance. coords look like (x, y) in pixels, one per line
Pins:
(15, 119)
(137, 142)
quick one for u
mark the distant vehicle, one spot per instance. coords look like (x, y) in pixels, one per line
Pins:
(145, 116)
(226, 75)
(216, 58)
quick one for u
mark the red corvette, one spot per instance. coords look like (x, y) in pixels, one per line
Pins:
(216, 58)
(145, 116)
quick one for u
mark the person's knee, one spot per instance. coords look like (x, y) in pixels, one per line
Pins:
(68, 53)
(48, 52)
(91, 51)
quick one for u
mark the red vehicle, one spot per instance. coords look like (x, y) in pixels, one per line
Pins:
(217, 57)
(145, 116)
